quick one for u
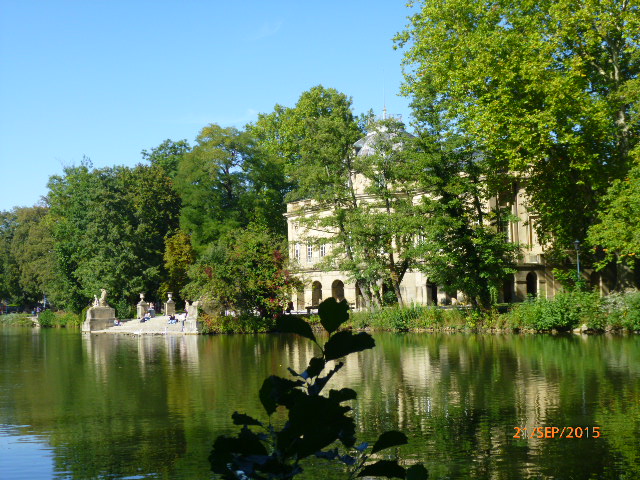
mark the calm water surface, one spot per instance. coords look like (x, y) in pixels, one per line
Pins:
(102, 406)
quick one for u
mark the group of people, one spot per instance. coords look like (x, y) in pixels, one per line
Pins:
(173, 319)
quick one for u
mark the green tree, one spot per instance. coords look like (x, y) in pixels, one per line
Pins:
(460, 244)
(618, 233)
(32, 248)
(178, 257)
(212, 182)
(167, 155)
(323, 172)
(9, 273)
(547, 89)
(245, 272)
(109, 229)
(384, 228)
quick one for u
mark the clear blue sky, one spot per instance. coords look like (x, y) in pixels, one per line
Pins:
(107, 79)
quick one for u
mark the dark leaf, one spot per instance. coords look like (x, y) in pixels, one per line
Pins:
(333, 313)
(389, 439)
(417, 472)
(291, 324)
(316, 364)
(226, 449)
(344, 343)
(383, 468)
(343, 395)
(273, 391)
(242, 419)
(320, 382)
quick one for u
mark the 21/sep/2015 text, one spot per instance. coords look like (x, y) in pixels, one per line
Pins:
(556, 432)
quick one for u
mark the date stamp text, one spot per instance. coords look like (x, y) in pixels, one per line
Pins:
(556, 432)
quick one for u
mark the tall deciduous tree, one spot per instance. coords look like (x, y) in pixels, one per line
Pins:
(618, 232)
(109, 229)
(323, 172)
(459, 240)
(167, 155)
(546, 89)
(9, 273)
(245, 272)
(212, 182)
(32, 248)
(384, 228)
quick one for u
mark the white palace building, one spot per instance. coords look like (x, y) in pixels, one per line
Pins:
(533, 276)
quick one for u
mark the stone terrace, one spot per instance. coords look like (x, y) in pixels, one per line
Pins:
(158, 325)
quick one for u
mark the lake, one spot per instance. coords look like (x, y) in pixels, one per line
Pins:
(122, 407)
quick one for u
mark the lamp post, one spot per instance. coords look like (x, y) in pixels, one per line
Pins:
(577, 245)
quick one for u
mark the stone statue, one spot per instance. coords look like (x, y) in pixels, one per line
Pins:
(96, 302)
(103, 298)
(186, 305)
(142, 297)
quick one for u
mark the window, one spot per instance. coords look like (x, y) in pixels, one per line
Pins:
(323, 250)
(309, 253)
(297, 251)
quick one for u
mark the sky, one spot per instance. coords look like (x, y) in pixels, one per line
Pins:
(107, 79)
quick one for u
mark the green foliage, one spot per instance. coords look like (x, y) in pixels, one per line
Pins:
(565, 311)
(412, 317)
(244, 273)
(459, 240)
(547, 90)
(618, 233)
(9, 273)
(124, 309)
(178, 257)
(47, 319)
(31, 248)
(108, 228)
(622, 310)
(16, 319)
(167, 155)
(315, 422)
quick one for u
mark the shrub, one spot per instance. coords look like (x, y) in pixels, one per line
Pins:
(124, 310)
(47, 318)
(565, 311)
(622, 310)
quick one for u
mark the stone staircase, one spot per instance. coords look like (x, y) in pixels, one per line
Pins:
(158, 325)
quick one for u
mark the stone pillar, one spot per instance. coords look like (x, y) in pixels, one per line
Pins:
(191, 323)
(142, 307)
(99, 318)
(170, 305)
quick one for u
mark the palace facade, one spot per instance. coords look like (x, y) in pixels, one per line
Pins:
(533, 277)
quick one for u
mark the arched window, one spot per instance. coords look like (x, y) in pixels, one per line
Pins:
(508, 288)
(532, 284)
(316, 293)
(300, 299)
(337, 290)
(432, 293)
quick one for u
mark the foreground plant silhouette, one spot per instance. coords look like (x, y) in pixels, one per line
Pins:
(314, 421)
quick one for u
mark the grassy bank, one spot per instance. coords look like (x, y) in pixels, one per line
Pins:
(566, 311)
(16, 320)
